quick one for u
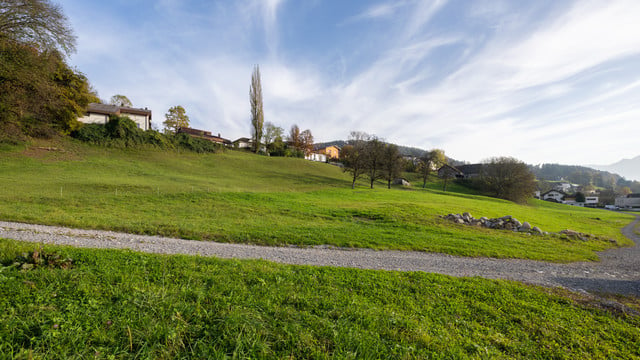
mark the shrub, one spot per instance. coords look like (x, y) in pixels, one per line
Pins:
(91, 133)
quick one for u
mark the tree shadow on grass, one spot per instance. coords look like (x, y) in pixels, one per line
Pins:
(610, 286)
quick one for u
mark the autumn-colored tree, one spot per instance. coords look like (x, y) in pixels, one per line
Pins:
(257, 114)
(306, 142)
(294, 137)
(175, 118)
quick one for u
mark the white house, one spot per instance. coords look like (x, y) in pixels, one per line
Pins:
(316, 157)
(99, 114)
(629, 201)
(554, 195)
(591, 201)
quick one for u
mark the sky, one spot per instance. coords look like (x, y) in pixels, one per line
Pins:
(541, 81)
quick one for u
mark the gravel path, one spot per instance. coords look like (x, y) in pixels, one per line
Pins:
(618, 272)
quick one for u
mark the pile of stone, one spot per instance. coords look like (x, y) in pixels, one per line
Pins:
(510, 223)
(502, 223)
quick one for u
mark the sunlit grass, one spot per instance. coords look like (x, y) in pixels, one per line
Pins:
(121, 304)
(240, 197)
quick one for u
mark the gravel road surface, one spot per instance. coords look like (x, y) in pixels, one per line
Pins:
(617, 272)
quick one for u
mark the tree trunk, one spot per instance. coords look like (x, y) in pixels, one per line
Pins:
(388, 183)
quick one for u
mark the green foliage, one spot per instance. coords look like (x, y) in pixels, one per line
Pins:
(91, 133)
(122, 304)
(240, 197)
(39, 94)
(175, 118)
(198, 145)
(122, 132)
(120, 100)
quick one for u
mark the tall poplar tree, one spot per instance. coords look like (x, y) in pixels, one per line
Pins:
(257, 114)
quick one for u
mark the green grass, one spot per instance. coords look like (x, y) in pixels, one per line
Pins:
(245, 198)
(121, 304)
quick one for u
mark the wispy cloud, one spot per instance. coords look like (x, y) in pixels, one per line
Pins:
(492, 78)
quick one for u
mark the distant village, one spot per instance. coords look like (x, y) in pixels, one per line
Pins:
(562, 192)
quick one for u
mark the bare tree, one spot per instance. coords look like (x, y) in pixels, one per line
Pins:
(257, 114)
(353, 156)
(430, 160)
(392, 163)
(374, 159)
(36, 22)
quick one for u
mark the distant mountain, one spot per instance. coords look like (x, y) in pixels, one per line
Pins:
(628, 168)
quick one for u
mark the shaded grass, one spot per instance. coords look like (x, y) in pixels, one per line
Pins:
(240, 197)
(121, 304)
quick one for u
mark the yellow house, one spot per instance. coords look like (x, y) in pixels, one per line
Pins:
(332, 152)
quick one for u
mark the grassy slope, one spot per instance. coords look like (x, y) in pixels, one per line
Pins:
(239, 197)
(120, 304)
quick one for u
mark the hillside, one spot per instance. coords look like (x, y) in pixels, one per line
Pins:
(242, 197)
(629, 168)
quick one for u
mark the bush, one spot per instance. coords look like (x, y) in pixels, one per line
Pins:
(121, 131)
(187, 142)
(91, 133)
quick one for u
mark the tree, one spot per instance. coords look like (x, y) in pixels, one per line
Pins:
(294, 137)
(271, 132)
(508, 178)
(120, 100)
(392, 163)
(38, 23)
(580, 197)
(429, 161)
(39, 93)
(374, 159)
(353, 156)
(306, 142)
(257, 114)
(175, 118)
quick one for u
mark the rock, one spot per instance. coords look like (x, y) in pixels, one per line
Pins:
(525, 227)
(516, 223)
(507, 217)
(460, 221)
(467, 215)
(537, 230)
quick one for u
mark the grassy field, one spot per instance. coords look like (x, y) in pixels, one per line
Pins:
(119, 304)
(240, 197)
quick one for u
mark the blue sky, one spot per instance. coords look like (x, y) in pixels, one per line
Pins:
(542, 81)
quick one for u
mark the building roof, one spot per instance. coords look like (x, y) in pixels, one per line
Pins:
(470, 169)
(109, 109)
(449, 167)
(554, 190)
(203, 134)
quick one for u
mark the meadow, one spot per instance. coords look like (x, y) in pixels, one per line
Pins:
(244, 198)
(114, 304)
